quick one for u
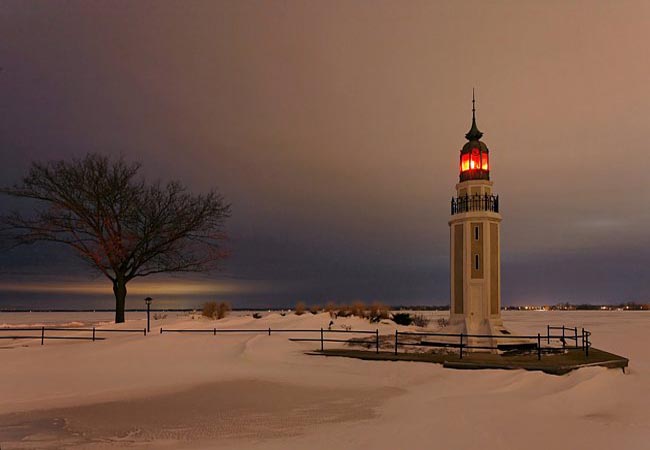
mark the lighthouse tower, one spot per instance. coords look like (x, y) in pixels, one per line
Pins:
(474, 237)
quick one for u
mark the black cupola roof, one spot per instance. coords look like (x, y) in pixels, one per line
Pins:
(474, 159)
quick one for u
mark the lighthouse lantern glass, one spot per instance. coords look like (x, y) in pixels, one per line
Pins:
(464, 162)
(475, 162)
(485, 161)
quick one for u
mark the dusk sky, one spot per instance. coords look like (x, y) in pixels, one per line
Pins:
(334, 129)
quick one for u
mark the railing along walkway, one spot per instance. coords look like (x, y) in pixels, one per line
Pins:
(322, 339)
(459, 340)
(42, 336)
(462, 340)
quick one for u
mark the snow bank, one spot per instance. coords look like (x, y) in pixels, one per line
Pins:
(240, 391)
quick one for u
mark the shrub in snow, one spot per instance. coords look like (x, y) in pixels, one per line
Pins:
(331, 309)
(378, 312)
(223, 309)
(402, 318)
(358, 309)
(300, 309)
(209, 310)
(214, 310)
(344, 311)
(420, 320)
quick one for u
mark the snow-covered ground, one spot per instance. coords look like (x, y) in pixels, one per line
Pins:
(252, 391)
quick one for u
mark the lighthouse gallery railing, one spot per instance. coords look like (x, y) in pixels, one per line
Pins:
(475, 202)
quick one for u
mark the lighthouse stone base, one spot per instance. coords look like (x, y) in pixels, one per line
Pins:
(484, 327)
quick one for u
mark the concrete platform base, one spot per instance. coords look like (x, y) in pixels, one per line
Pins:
(554, 363)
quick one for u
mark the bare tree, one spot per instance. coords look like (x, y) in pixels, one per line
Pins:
(116, 222)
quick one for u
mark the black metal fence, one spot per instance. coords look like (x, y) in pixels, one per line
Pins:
(582, 342)
(474, 202)
(460, 341)
(269, 331)
(43, 336)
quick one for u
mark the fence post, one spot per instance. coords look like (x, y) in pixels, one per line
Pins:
(461, 345)
(587, 346)
(93, 334)
(145, 331)
(377, 340)
(563, 338)
(548, 334)
(583, 339)
(42, 335)
(321, 339)
(160, 330)
(396, 342)
(576, 335)
(269, 331)
(539, 347)
(214, 331)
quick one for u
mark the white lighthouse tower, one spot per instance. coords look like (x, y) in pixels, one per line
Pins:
(475, 245)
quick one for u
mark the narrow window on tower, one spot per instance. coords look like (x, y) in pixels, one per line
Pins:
(476, 262)
(476, 233)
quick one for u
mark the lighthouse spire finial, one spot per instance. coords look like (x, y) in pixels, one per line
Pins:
(473, 134)
(473, 106)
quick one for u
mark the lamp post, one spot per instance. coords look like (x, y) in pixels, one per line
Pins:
(148, 302)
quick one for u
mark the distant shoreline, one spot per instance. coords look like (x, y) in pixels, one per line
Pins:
(397, 308)
(392, 308)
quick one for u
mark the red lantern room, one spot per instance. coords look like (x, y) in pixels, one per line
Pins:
(474, 156)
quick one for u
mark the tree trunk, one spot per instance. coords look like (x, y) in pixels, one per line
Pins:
(119, 289)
